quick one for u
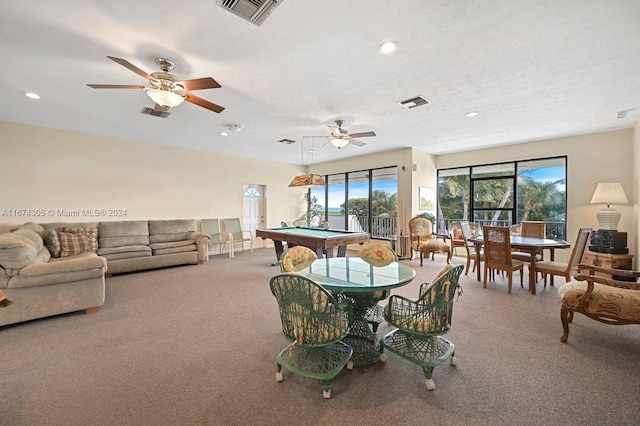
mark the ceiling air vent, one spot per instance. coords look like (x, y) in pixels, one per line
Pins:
(415, 102)
(255, 11)
(151, 111)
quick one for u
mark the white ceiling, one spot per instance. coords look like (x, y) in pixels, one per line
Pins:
(532, 69)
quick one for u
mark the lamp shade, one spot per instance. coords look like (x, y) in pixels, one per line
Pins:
(165, 97)
(307, 181)
(609, 193)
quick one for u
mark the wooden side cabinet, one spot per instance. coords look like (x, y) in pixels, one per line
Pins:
(605, 260)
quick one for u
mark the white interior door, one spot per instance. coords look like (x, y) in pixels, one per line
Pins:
(254, 211)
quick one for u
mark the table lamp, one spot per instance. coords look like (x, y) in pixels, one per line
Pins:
(609, 193)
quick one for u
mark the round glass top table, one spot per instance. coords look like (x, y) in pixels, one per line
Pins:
(363, 284)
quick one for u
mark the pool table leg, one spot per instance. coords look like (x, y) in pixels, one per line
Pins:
(279, 250)
(342, 251)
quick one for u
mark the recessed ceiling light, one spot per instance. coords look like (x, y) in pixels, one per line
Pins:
(224, 134)
(471, 114)
(387, 47)
(32, 95)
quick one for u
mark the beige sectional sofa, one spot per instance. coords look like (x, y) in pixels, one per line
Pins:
(73, 279)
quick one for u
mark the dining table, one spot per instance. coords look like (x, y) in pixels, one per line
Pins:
(530, 245)
(362, 284)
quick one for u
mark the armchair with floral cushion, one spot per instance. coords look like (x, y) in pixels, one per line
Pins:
(595, 294)
(420, 323)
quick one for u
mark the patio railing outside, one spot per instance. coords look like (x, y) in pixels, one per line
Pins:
(554, 230)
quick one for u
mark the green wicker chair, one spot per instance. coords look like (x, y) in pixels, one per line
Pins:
(315, 323)
(420, 323)
(296, 258)
(377, 255)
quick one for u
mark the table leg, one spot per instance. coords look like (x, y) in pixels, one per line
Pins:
(532, 272)
(279, 249)
(478, 248)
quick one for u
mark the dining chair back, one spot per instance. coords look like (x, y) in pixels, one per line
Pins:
(497, 254)
(314, 323)
(212, 228)
(297, 258)
(455, 234)
(472, 254)
(566, 270)
(531, 230)
(233, 227)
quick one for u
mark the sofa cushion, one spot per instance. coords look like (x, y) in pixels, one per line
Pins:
(123, 233)
(32, 235)
(124, 252)
(71, 244)
(37, 228)
(162, 231)
(159, 246)
(102, 251)
(91, 234)
(16, 251)
(170, 250)
(52, 242)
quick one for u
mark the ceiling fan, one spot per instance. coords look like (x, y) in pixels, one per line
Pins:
(165, 89)
(341, 137)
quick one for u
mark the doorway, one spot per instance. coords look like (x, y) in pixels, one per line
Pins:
(253, 211)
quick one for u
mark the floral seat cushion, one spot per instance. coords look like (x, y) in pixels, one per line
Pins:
(606, 300)
(377, 254)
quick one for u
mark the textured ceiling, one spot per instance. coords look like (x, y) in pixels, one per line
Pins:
(533, 70)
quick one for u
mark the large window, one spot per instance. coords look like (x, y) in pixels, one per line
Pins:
(364, 200)
(506, 193)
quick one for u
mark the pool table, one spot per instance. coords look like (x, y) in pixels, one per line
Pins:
(322, 241)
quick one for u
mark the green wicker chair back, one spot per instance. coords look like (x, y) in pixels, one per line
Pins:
(421, 322)
(315, 323)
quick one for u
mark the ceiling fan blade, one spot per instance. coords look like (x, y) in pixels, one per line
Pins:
(200, 83)
(357, 142)
(130, 66)
(115, 86)
(362, 135)
(203, 103)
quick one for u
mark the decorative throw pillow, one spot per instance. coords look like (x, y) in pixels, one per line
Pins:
(52, 242)
(71, 244)
(91, 233)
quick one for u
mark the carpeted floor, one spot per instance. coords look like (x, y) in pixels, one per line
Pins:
(196, 345)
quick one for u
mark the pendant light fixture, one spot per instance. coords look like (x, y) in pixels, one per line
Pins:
(307, 180)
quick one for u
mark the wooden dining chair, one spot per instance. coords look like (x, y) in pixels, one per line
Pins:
(532, 230)
(497, 254)
(472, 254)
(566, 270)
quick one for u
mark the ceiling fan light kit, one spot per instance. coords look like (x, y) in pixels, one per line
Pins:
(165, 97)
(339, 142)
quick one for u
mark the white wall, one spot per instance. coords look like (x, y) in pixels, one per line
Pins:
(636, 193)
(592, 158)
(54, 169)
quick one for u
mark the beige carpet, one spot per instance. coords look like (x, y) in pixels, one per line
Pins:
(196, 345)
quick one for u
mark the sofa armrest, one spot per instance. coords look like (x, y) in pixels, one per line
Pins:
(202, 243)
